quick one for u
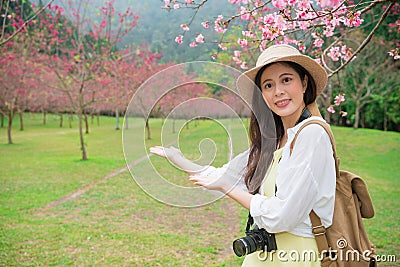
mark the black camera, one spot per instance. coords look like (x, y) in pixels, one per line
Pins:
(255, 239)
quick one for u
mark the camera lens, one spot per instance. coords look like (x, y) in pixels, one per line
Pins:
(245, 245)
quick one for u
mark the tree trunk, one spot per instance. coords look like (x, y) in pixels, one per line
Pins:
(148, 129)
(21, 121)
(81, 137)
(126, 123)
(173, 126)
(61, 120)
(357, 117)
(70, 120)
(86, 123)
(44, 117)
(98, 119)
(2, 120)
(116, 119)
(325, 100)
(362, 120)
(9, 128)
(385, 120)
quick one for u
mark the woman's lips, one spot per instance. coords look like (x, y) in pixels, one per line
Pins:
(282, 103)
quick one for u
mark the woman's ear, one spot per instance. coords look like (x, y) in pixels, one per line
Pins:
(305, 82)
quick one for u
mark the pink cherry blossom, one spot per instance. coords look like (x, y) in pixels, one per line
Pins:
(344, 113)
(279, 3)
(269, 19)
(334, 53)
(328, 32)
(301, 46)
(237, 53)
(223, 48)
(167, 3)
(103, 24)
(189, 1)
(179, 39)
(185, 27)
(339, 99)
(331, 3)
(200, 39)
(318, 42)
(193, 44)
(205, 24)
(395, 53)
(353, 19)
(346, 52)
(331, 109)
(219, 25)
(237, 60)
(244, 66)
(242, 42)
(249, 34)
(244, 13)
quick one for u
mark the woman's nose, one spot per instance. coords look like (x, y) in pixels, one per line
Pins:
(278, 90)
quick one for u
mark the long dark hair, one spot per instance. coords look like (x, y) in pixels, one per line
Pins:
(259, 159)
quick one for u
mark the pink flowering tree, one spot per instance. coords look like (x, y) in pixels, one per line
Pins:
(123, 76)
(16, 16)
(77, 48)
(17, 79)
(321, 28)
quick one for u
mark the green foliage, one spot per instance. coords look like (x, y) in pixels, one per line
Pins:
(371, 87)
(158, 28)
(18, 9)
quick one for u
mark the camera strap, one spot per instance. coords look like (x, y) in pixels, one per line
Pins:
(250, 222)
(305, 114)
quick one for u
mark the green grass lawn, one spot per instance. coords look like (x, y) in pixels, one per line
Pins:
(115, 223)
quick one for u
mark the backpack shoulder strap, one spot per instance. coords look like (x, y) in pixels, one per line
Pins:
(319, 231)
(330, 134)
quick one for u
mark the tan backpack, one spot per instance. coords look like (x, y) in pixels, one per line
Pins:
(345, 243)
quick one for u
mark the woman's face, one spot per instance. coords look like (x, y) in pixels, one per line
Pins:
(282, 90)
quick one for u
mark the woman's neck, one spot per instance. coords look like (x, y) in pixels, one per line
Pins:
(289, 122)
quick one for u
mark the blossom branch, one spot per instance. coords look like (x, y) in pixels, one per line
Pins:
(23, 25)
(366, 41)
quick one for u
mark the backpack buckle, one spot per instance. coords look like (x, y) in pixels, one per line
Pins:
(319, 230)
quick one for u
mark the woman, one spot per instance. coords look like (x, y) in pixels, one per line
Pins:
(280, 197)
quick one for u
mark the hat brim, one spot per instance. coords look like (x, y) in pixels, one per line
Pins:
(246, 81)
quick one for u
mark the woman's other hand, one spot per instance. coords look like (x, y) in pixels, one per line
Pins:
(176, 157)
(166, 152)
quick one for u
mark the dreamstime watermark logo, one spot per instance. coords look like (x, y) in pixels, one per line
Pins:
(171, 94)
(342, 254)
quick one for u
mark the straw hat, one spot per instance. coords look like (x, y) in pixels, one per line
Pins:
(279, 53)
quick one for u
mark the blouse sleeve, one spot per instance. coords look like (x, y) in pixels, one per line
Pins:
(306, 182)
(234, 169)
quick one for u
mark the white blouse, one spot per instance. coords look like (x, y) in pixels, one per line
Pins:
(305, 181)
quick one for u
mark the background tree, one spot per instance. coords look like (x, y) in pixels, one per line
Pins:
(366, 81)
(77, 48)
(17, 74)
(22, 12)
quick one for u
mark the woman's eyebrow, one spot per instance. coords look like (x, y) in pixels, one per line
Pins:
(283, 74)
(286, 73)
(266, 80)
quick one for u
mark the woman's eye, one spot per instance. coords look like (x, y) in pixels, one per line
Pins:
(268, 86)
(286, 80)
